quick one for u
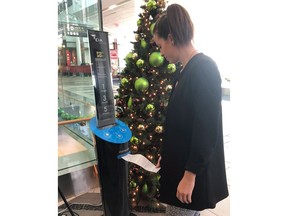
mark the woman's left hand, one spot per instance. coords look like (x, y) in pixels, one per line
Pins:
(185, 187)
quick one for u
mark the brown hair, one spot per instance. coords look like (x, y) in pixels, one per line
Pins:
(176, 21)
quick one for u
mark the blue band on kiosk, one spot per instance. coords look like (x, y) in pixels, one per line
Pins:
(116, 134)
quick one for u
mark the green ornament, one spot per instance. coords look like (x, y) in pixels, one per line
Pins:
(140, 63)
(129, 103)
(141, 84)
(145, 189)
(156, 59)
(133, 184)
(124, 81)
(143, 44)
(139, 22)
(171, 68)
(134, 140)
(152, 28)
(151, 4)
(128, 57)
(150, 107)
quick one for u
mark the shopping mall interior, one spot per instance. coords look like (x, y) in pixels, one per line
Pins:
(46, 63)
(247, 40)
(79, 189)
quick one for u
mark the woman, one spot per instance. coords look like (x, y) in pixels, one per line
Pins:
(193, 176)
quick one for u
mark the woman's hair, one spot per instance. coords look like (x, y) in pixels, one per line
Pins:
(176, 21)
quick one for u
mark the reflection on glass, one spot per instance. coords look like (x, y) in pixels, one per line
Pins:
(75, 86)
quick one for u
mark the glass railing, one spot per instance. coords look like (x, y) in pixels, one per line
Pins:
(76, 106)
(75, 146)
(76, 101)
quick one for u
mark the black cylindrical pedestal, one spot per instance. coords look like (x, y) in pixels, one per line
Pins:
(111, 145)
(113, 174)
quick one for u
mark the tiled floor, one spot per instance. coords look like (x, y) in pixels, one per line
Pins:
(223, 207)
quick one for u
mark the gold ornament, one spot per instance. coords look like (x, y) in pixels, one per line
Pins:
(137, 37)
(159, 129)
(134, 56)
(141, 127)
(168, 88)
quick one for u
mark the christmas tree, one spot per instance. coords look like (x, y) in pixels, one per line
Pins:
(143, 94)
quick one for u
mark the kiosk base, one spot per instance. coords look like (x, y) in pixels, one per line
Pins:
(111, 143)
(113, 176)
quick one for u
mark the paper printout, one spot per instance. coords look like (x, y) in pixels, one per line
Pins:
(141, 161)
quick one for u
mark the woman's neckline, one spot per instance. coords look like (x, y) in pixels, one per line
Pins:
(194, 53)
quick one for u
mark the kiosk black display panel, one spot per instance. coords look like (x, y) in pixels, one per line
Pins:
(102, 80)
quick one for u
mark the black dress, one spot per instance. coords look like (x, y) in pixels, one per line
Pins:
(193, 136)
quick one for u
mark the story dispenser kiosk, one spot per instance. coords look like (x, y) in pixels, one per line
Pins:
(110, 135)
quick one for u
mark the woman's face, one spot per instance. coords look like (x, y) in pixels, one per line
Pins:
(166, 48)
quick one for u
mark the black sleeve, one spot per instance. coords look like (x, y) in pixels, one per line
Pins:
(206, 105)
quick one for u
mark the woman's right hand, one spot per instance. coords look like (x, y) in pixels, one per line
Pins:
(158, 162)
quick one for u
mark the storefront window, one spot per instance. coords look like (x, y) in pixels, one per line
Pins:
(74, 18)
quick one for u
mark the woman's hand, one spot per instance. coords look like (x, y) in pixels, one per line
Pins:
(158, 162)
(185, 187)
